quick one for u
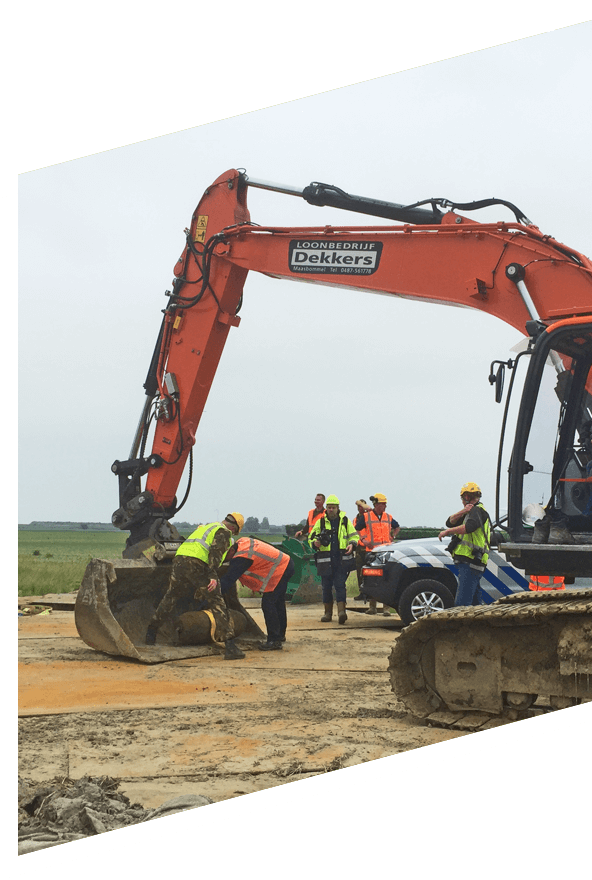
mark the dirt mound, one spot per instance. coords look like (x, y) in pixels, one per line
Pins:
(64, 810)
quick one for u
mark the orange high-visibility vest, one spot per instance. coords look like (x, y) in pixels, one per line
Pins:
(546, 582)
(376, 531)
(267, 567)
(313, 516)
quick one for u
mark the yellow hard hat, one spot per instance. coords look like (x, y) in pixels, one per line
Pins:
(238, 518)
(379, 497)
(472, 488)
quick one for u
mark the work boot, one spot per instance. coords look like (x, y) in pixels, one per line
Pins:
(541, 530)
(371, 606)
(151, 635)
(233, 652)
(270, 646)
(341, 610)
(328, 615)
(385, 611)
(559, 533)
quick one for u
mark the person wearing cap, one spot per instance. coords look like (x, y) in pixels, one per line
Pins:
(333, 536)
(375, 527)
(470, 529)
(196, 572)
(360, 552)
(313, 515)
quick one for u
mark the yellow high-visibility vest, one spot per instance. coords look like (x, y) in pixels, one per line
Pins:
(199, 542)
(475, 545)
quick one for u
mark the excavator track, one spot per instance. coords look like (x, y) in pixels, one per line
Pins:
(474, 668)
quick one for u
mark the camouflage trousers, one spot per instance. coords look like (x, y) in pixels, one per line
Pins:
(190, 578)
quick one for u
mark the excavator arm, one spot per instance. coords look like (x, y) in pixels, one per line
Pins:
(202, 308)
(507, 269)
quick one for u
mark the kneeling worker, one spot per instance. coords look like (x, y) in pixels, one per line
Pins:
(196, 573)
(266, 570)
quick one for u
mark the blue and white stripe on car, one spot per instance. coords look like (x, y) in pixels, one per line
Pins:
(500, 578)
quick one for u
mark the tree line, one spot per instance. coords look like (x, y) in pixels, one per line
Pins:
(252, 525)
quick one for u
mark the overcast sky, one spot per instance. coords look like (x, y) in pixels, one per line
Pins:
(99, 237)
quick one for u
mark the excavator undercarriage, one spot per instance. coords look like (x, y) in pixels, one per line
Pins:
(465, 668)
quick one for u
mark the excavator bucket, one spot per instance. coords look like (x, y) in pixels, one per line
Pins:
(117, 599)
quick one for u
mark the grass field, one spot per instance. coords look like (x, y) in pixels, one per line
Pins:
(54, 561)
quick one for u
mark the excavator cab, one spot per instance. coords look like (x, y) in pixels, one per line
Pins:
(550, 466)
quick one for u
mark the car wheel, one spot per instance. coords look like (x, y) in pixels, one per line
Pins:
(422, 598)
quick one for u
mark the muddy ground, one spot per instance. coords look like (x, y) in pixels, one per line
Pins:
(208, 726)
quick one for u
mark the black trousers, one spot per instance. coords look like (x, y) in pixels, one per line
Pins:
(273, 605)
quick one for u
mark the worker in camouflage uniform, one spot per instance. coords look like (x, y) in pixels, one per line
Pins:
(196, 572)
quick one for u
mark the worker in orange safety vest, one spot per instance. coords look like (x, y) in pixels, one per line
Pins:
(376, 527)
(265, 570)
(313, 515)
(546, 582)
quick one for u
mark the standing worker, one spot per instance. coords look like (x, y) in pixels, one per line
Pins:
(360, 552)
(313, 515)
(376, 527)
(471, 531)
(335, 537)
(195, 572)
(266, 570)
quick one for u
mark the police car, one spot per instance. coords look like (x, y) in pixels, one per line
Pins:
(418, 577)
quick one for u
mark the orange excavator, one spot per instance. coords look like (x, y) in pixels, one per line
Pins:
(429, 251)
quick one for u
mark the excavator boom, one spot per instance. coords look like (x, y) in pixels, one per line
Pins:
(455, 261)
